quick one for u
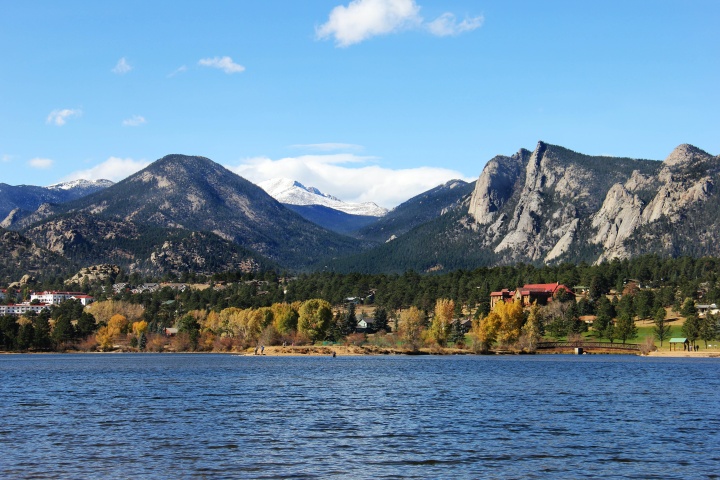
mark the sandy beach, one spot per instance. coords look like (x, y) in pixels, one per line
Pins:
(679, 354)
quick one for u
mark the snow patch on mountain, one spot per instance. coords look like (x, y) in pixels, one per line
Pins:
(81, 184)
(292, 192)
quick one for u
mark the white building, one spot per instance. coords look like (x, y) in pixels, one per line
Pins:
(22, 308)
(55, 298)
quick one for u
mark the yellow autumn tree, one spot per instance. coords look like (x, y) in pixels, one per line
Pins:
(501, 325)
(285, 317)
(254, 321)
(511, 321)
(412, 324)
(532, 330)
(484, 331)
(229, 321)
(138, 328)
(104, 311)
(442, 321)
(107, 335)
(212, 323)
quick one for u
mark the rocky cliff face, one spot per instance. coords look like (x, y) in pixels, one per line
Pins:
(21, 257)
(555, 204)
(88, 239)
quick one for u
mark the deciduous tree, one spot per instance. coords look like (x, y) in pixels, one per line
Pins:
(314, 317)
(412, 324)
(532, 331)
(442, 320)
(285, 318)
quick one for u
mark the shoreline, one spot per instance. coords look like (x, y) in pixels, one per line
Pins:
(372, 350)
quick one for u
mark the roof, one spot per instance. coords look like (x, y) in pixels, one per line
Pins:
(545, 287)
(502, 292)
(678, 340)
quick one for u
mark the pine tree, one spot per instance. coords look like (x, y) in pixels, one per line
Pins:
(625, 328)
(708, 328)
(691, 328)
(348, 325)
(661, 329)
(381, 320)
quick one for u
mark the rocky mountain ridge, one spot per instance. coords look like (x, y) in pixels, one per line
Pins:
(539, 206)
(554, 205)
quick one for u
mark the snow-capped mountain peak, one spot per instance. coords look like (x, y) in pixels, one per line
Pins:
(292, 192)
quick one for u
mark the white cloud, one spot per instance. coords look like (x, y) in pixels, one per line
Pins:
(447, 25)
(41, 163)
(327, 147)
(113, 168)
(363, 19)
(134, 121)
(225, 64)
(60, 117)
(177, 71)
(6, 157)
(122, 67)
(350, 177)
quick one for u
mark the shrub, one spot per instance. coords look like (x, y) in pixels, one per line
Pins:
(156, 343)
(356, 339)
(648, 346)
(223, 344)
(181, 342)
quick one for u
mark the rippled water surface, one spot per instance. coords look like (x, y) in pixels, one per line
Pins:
(221, 416)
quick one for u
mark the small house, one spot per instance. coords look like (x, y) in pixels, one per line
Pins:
(364, 324)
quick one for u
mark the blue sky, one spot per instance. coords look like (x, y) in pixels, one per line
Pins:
(367, 100)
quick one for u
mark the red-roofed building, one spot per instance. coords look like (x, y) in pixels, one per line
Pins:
(504, 295)
(540, 293)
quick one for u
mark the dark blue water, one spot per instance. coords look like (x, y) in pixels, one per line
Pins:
(217, 416)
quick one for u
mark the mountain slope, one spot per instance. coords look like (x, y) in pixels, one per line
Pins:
(196, 194)
(331, 219)
(418, 210)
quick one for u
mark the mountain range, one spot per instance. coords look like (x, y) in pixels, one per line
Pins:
(19, 201)
(549, 205)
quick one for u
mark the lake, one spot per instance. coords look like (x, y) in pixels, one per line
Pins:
(223, 416)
